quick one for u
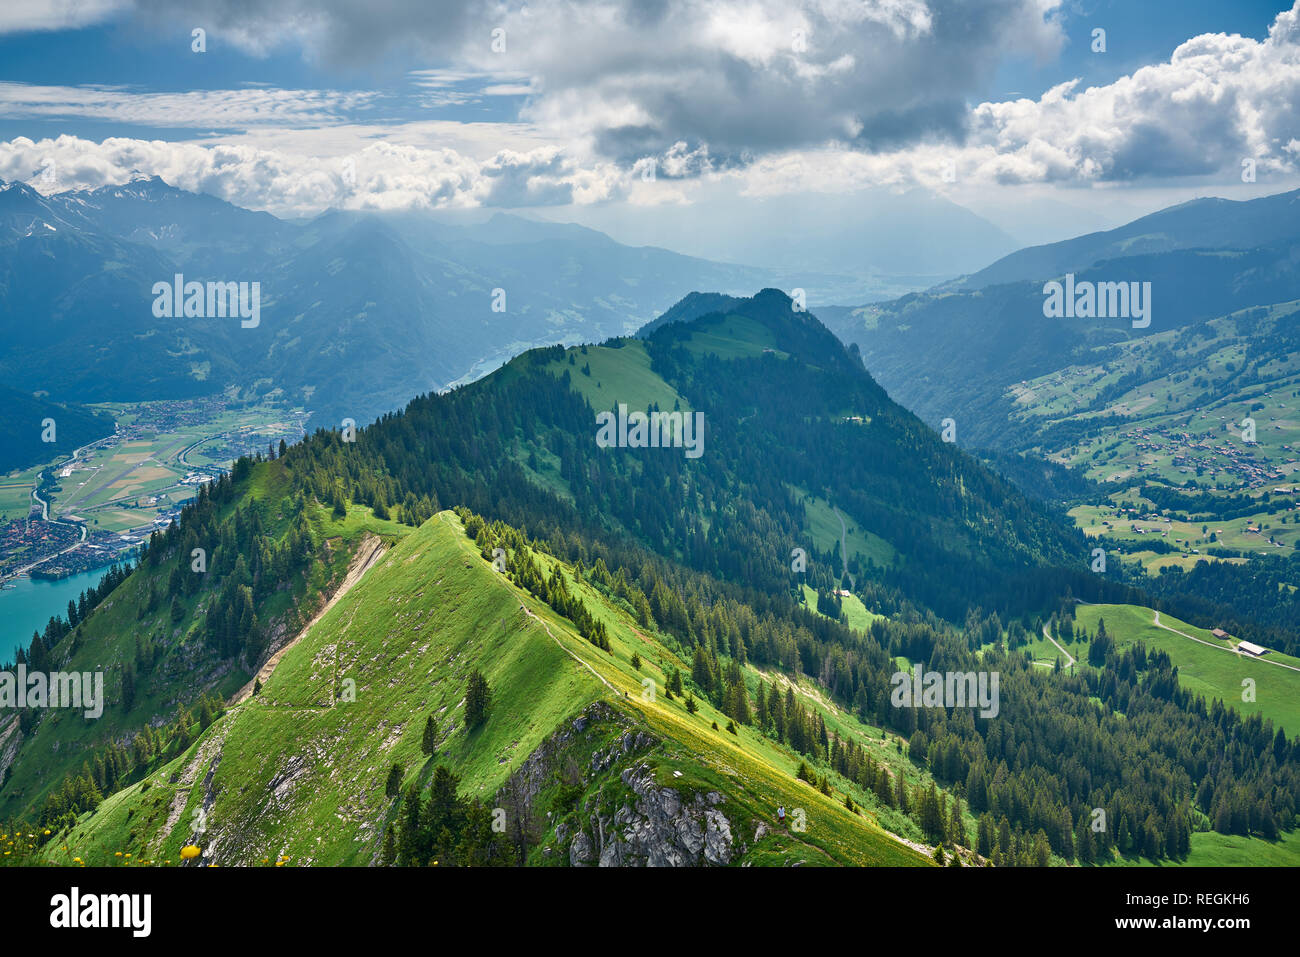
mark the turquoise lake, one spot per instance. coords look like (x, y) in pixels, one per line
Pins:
(26, 605)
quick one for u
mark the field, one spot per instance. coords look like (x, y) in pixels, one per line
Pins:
(16, 492)
(1129, 521)
(857, 615)
(732, 337)
(1044, 652)
(126, 481)
(1216, 672)
(1187, 422)
(1212, 849)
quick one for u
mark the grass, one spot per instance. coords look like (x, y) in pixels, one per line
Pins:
(1205, 403)
(136, 475)
(856, 614)
(825, 529)
(1210, 672)
(884, 747)
(621, 375)
(107, 640)
(732, 337)
(1212, 849)
(302, 773)
(1043, 651)
(1249, 534)
(16, 492)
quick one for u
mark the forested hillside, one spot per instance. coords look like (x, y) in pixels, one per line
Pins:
(647, 564)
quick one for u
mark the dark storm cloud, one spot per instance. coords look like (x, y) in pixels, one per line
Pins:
(743, 77)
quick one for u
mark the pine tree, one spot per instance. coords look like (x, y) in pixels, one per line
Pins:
(984, 841)
(956, 827)
(1083, 847)
(410, 841)
(393, 786)
(883, 791)
(900, 795)
(478, 700)
(931, 814)
(388, 854)
(429, 740)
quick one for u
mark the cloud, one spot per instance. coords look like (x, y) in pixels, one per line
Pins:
(343, 32)
(206, 109)
(631, 78)
(1218, 100)
(27, 16)
(606, 83)
(380, 176)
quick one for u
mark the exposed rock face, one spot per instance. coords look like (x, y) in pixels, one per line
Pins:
(630, 820)
(536, 772)
(656, 829)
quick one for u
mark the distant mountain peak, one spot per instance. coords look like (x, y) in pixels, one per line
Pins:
(1208, 222)
(789, 330)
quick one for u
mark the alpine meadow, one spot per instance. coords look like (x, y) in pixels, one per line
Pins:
(626, 435)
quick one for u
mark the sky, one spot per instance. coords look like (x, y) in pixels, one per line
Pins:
(1048, 118)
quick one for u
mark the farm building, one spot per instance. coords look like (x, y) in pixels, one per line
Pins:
(1250, 648)
(1220, 633)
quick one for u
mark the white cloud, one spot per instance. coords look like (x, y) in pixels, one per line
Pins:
(629, 78)
(207, 109)
(1218, 100)
(591, 129)
(383, 175)
(23, 16)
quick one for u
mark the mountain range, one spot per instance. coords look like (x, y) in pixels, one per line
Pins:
(966, 349)
(475, 613)
(359, 311)
(476, 633)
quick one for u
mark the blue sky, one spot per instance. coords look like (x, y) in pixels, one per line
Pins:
(156, 57)
(625, 113)
(1138, 33)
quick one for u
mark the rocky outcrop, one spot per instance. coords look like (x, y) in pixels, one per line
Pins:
(539, 770)
(656, 828)
(627, 819)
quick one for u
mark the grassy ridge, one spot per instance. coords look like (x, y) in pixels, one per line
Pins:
(107, 641)
(301, 773)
